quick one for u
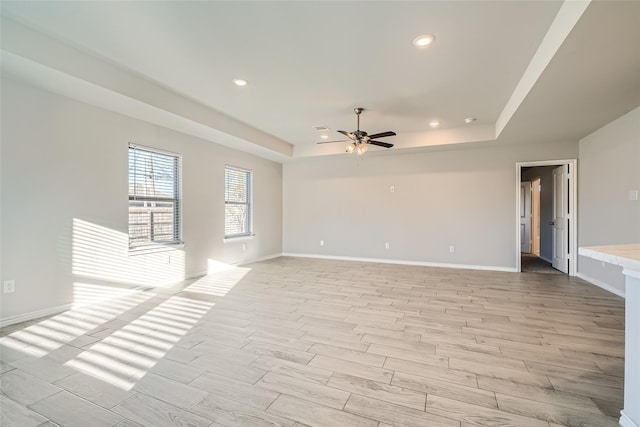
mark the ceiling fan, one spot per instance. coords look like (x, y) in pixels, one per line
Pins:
(360, 139)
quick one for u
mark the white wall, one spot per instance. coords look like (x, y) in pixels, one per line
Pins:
(65, 198)
(609, 168)
(461, 197)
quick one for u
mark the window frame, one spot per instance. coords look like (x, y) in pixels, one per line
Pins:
(248, 203)
(151, 245)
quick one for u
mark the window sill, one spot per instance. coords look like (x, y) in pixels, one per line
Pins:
(152, 249)
(242, 238)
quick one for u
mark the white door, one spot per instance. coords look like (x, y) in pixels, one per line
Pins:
(525, 217)
(560, 222)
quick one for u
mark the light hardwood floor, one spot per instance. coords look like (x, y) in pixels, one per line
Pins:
(295, 342)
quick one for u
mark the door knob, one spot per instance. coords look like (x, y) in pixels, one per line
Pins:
(552, 223)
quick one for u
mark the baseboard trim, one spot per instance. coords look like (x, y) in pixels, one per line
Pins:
(260, 259)
(625, 421)
(601, 284)
(404, 262)
(34, 315)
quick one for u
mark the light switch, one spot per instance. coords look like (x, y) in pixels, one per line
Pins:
(633, 195)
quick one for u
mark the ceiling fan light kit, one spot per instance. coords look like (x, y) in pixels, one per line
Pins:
(360, 140)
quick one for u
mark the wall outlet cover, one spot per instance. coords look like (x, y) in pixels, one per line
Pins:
(9, 286)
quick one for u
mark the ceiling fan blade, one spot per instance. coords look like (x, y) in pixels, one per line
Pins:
(382, 134)
(381, 144)
(348, 135)
(329, 142)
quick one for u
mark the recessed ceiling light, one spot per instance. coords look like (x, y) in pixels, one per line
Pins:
(423, 41)
(324, 136)
(434, 123)
(240, 82)
(470, 120)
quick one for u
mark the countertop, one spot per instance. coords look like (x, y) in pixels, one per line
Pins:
(626, 256)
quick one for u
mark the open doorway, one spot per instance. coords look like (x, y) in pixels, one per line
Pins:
(546, 236)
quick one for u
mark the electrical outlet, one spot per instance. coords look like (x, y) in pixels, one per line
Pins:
(321, 242)
(9, 286)
(633, 195)
(452, 249)
(386, 245)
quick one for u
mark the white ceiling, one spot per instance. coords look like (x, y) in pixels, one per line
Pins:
(529, 71)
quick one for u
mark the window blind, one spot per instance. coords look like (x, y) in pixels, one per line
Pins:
(154, 197)
(237, 199)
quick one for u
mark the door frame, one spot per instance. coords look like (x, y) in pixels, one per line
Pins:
(573, 208)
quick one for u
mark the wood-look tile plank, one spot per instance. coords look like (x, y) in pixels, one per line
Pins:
(25, 388)
(473, 415)
(176, 371)
(572, 417)
(314, 414)
(569, 373)
(247, 394)
(536, 394)
(94, 390)
(587, 389)
(447, 389)
(16, 414)
(364, 358)
(220, 352)
(267, 349)
(482, 358)
(389, 393)
(608, 407)
(406, 354)
(394, 330)
(44, 368)
(532, 348)
(170, 391)
(5, 367)
(319, 375)
(230, 413)
(148, 411)
(223, 366)
(556, 360)
(351, 368)
(395, 415)
(328, 395)
(422, 370)
(412, 344)
(68, 409)
(294, 343)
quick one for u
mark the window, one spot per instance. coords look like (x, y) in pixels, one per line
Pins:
(154, 197)
(237, 199)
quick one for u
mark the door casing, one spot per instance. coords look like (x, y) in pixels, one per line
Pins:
(573, 208)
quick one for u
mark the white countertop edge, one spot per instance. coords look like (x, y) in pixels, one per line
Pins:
(626, 256)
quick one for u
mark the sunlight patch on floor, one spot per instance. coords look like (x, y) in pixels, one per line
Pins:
(125, 356)
(221, 278)
(50, 334)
